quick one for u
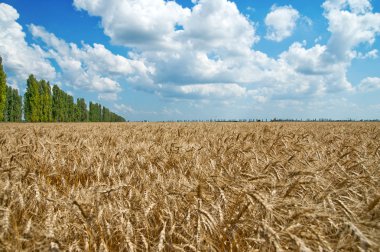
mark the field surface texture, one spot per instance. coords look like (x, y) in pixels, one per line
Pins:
(190, 187)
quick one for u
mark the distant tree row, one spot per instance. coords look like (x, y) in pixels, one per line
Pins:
(45, 104)
(13, 106)
(10, 100)
(99, 113)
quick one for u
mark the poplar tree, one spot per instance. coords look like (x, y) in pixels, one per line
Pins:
(98, 112)
(55, 105)
(82, 110)
(49, 102)
(32, 104)
(13, 107)
(91, 112)
(3, 90)
(46, 101)
(104, 114)
(7, 113)
(95, 113)
(17, 106)
(43, 104)
(70, 112)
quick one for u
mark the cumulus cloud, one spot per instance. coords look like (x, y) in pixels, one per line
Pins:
(312, 65)
(370, 84)
(195, 42)
(323, 68)
(20, 58)
(281, 22)
(143, 23)
(209, 91)
(159, 24)
(351, 23)
(207, 51)
(92, 68)
(218, 25)
(349, 5)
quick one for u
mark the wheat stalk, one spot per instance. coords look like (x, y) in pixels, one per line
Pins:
(189, 187)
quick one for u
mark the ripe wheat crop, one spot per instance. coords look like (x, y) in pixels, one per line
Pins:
(190, 187)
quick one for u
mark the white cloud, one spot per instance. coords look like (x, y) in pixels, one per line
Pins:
(202, 69)
(123, 108)
(360, 6)
(207, 52)
(217, 25)
(323, 68)
(306, 61)
(108, 96)
(321, 75)
(92, 68)
(370, 84)
(159, 24)
(213, 91)
(354, 6)
(373, 54)
(197, 45)
(342, 105)
(281, 22)
(137, 23)
(350, 28)
(19, 58)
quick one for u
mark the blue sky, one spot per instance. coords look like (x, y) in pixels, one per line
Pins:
(201, 59)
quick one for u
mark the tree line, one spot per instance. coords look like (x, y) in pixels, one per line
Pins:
(10, 100)
(42, 103)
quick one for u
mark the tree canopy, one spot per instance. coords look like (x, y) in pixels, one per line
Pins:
(3, 90)
(45, 104)
(10, 100)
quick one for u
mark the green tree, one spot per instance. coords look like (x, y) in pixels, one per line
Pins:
(7, 113)
(70, 109)
(91, 112)
(63, 107)
(56, 104)
(17, 106)
(98, 112)
(3, 90)
(106, 116)
(95, 112)
(32, 104)
(76, 113)
(13, 109)
(116, 118)
(45, 104)
(46, 101)
(82, 110)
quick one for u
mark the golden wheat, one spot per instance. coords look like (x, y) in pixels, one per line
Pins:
(190, 187)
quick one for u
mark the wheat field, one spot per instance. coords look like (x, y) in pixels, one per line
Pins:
(190, 187)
